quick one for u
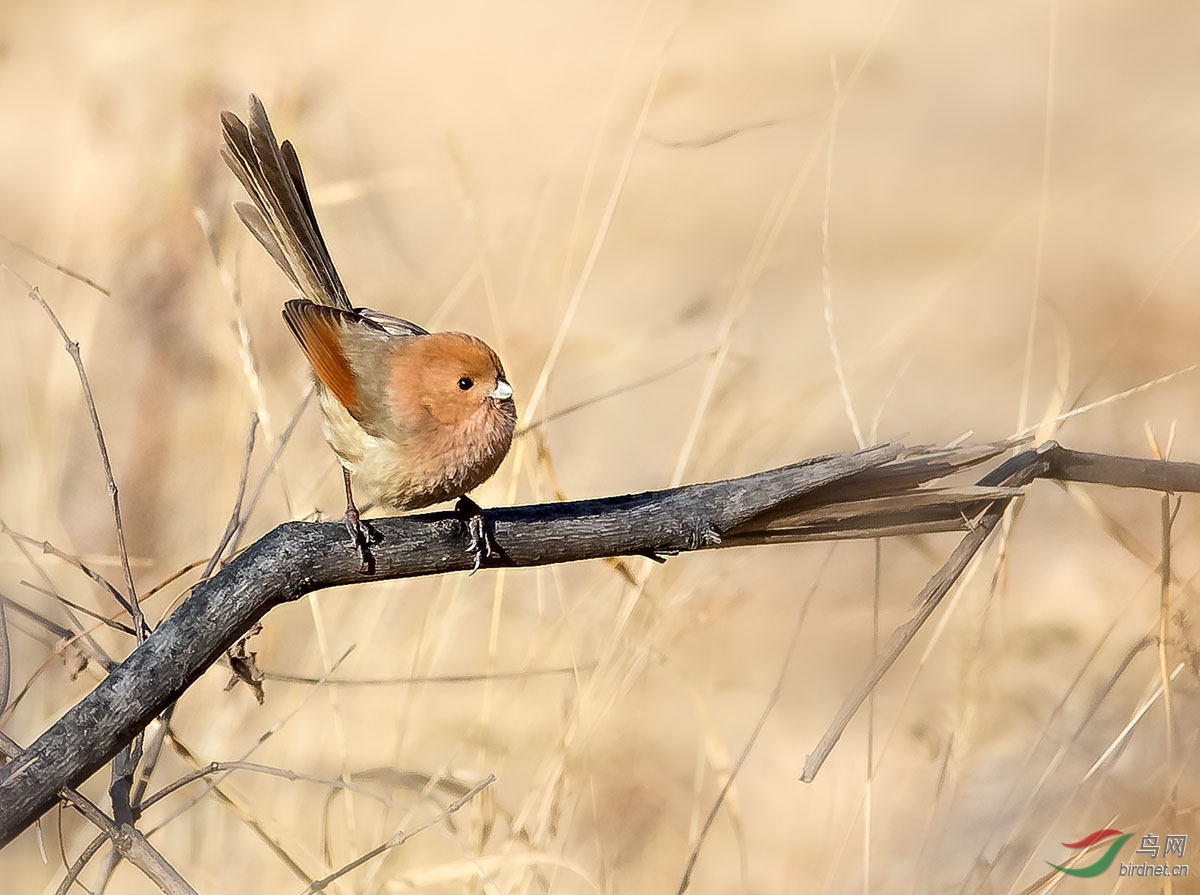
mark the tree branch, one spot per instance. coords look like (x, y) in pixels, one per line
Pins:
(884, 490)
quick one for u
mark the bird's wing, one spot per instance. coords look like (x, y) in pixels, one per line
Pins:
(281, 217)
(321, 332)
(351, 354)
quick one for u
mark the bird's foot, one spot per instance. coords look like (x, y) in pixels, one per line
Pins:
(480, 545)
(360, 535)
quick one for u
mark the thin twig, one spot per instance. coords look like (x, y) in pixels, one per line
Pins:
(90, 613)
(284, 678)
(712, 138)
(88, 644)
(171, 579)
(135, 612)
(79, 864)
(66, 638)
(224, 768)
(1109, 399)
(399, 839)
(282, 442)
(50, 550)
(51, 627)
(612, 393)
(235, 516)
(42, 259)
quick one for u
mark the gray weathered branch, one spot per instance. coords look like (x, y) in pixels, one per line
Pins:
(880, 491)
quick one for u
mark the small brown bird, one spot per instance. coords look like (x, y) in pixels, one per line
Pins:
(415, 417)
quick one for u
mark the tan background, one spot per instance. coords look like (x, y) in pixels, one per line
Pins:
(462, 157)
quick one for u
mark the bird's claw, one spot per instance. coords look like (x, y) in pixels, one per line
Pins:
(479, 541)
(360, 534)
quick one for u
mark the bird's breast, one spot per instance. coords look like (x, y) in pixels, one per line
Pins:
(422, 465)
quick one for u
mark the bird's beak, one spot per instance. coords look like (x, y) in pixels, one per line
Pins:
(502, 392)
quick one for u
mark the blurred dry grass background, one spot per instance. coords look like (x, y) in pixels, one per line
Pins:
(463, 158)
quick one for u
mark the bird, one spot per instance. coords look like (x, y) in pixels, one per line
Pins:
(414, 417)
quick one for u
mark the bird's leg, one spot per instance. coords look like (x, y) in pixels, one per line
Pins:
(481, 545)
(359, 532)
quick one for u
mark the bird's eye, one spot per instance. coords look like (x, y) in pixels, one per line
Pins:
(466, 383)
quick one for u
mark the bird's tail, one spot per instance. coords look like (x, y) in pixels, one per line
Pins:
(281, 217)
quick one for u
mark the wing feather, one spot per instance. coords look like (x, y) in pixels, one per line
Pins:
(318, 330)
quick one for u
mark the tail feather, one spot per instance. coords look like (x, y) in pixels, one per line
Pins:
(257, 224)
(282, 217)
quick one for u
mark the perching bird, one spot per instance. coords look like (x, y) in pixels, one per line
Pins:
(415, 417)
